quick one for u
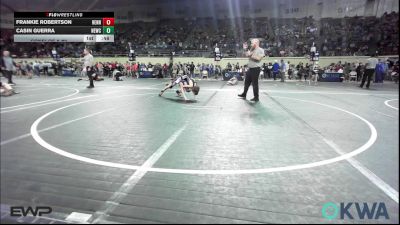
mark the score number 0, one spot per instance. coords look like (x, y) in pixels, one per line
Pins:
(108, 25)
(108, 21)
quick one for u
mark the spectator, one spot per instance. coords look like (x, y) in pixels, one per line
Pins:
(275, 69)
(170, 68)
(269, 67)
(265, 70)
(165, 70)
(359, 71)
(395, 73)
(347, 70)
(136, 70)
(8, 66)
(380, 71)
(285, 37)
(306, 71)
(283, 70)
(290, 70)
(191, 69)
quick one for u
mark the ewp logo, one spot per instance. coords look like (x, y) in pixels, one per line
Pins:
(331, 211)
(35, 211)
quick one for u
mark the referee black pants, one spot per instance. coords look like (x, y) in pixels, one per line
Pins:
(252, 78)
(90, 75)
(367, 74)
(8, 75)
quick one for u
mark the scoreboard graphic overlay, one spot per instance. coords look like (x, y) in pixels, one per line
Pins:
(64, 27)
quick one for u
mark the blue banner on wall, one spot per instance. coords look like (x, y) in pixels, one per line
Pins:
(68, 72)
(229, 75)
(145, 74)
(331, 77)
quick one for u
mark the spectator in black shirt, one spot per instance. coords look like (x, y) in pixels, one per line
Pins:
(191, 69)
(359, 69)
(265, 69)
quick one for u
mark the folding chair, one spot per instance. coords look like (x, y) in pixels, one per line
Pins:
(204, 73)
(353, 75)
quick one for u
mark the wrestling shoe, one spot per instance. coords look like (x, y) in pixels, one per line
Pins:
(254, 99)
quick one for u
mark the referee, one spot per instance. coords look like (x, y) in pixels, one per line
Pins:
(88, 62)
(255, 54)
(369, 70)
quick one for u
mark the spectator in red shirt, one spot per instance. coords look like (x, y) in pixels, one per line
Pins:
(135, 69)
(165, 69)
(128, 69)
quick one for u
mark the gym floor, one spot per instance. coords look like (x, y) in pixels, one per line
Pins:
(119, 153)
